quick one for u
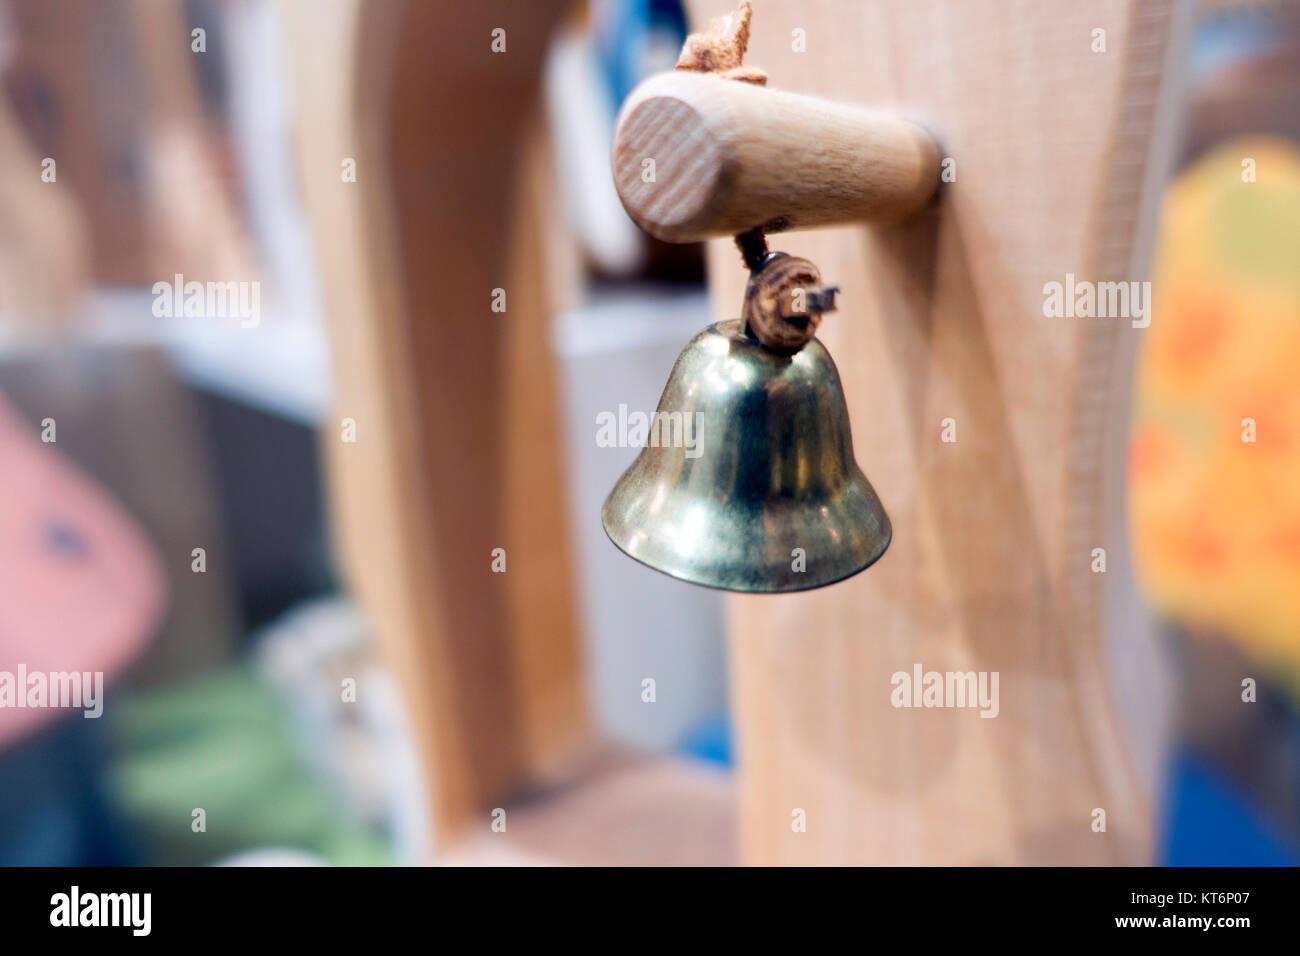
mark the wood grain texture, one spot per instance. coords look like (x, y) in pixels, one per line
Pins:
(1057, 152)
(730, 156)
(457, 449)
(620, 811)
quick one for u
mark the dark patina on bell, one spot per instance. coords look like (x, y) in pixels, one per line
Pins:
(769, 498)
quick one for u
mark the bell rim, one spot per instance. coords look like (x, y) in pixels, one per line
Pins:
(888, 529)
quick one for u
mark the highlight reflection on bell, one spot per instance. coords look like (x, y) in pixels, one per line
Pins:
(771, 470)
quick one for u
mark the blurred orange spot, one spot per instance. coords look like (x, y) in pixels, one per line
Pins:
(1285, 542)
(1194, 331)
(1148, 451)
(1204, 551)
(1270, 409)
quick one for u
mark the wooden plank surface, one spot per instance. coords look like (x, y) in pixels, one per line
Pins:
(620, 811)
(990, 567)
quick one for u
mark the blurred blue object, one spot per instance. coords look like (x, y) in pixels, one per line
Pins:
(709, 741)
(1206, 823)
(625, 33)
(1230, 37)
(53, 809)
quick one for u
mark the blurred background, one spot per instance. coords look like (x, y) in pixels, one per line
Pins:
(349, 636)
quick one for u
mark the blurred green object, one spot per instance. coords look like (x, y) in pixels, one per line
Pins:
(221, 744)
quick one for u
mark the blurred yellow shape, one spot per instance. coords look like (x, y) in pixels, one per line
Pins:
(1214, 466)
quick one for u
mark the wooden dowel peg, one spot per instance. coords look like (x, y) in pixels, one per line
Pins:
(697, 156)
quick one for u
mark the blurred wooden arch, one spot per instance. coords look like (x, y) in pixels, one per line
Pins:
(457, 449)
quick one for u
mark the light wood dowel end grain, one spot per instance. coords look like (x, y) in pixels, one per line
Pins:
(697, 156)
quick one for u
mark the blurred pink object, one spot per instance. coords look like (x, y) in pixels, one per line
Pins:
(81, 589)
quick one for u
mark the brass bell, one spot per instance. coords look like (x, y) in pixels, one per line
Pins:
(747, 481)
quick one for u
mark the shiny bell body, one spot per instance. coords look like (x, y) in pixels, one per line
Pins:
(747, 480)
